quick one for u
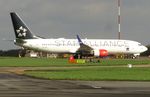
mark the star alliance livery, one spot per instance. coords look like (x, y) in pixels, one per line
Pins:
(83, 47)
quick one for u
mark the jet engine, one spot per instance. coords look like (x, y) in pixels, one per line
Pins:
(100, 53)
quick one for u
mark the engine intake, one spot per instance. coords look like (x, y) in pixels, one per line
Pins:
(100, 53)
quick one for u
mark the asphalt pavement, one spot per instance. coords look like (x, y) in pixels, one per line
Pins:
(13, 85)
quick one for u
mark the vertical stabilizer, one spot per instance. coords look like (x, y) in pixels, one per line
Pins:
(20, 28)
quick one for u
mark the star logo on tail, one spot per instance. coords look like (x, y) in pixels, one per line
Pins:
(21, 32)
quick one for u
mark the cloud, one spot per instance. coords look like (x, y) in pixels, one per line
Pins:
(66, 18)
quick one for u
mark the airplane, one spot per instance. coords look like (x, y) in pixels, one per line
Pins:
(83, 47)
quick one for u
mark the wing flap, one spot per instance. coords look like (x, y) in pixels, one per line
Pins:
(84, 49)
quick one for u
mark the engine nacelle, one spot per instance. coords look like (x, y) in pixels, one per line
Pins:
(100, 53)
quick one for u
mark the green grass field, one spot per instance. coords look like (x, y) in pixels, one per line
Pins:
(43, 62)
(101, 73)
(107, 69)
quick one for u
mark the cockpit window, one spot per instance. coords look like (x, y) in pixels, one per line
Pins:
(139, 44)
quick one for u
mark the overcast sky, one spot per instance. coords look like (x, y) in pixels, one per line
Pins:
(65, 18)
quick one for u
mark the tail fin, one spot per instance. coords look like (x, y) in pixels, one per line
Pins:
(20, 28)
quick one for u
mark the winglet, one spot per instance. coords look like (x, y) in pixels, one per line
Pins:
(79, 40)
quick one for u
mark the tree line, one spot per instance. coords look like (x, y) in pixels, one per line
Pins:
(11, 53)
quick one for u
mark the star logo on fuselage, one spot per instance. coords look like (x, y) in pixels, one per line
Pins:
(21, 32)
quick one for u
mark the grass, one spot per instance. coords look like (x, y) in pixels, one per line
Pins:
(117, 74)
(87, 71)
(30, 62)
(46, 62)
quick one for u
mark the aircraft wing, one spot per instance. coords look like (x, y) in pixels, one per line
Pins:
(84, 49)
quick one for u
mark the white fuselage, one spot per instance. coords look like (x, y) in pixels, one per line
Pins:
(61, 45)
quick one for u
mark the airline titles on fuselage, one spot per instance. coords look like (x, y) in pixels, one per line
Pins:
(93, 43)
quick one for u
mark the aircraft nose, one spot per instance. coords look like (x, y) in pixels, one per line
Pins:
(145, 48)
